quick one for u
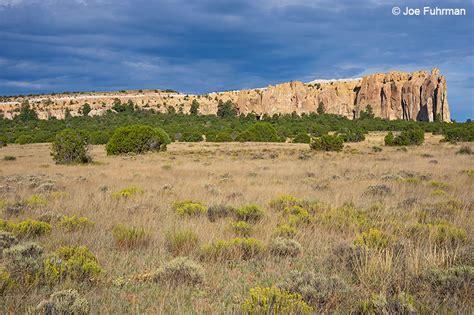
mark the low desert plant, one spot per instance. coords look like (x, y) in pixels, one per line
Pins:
(36, 200)
(373, 238)
(319, 291)
(31, 228)
(189, 208)
(130, 237)
(74, 223)
(127, 192)
(381, 304)
(241, 228)
(297, 215)
(9, 158)
(181, 242)
(215, 212)
(71, 263)
(285, 230)
(442, 234)
(282, 202)
(465, 150)
(7, 240)
(237, 248)
(285, 247)
(23, 262)
(272, 300)
(249, 213)
(180, 271)
(64, 302)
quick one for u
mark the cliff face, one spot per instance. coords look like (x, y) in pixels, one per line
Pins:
(396, 95)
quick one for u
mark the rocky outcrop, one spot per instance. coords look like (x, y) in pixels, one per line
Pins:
(418, 96)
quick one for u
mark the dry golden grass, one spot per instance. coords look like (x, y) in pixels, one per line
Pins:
(238, 174)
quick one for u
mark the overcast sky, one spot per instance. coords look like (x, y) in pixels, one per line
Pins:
(199, 46)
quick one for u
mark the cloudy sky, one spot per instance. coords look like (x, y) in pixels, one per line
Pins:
(198, 46)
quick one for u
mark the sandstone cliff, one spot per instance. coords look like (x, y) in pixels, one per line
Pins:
(418, 96)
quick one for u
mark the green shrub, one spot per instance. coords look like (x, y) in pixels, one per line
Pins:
(64, 302)
(23, 262)
(6, 282)
(180, 271)
(319, 291)
(127, 192)
(189, 208)
(281, 202)
(70, 147)
(376, 149)
(410, 136)
(285, 247)
(181, 242)
(373, 238)
(215, 212)
(302, 138)
(24, 139)
(327, 143)
(259, 132)
(465, 150)
(7, 240)
(249, 213)
(71, 263)
(31, 228)
(389, 139)
(191, 136)
(237, 248)
(460, 134)
(241, 228)
(353, 136)
(74, 223)
(130, 237)
(223, 136)
(274, 301)
(9, 158)
(137, 139)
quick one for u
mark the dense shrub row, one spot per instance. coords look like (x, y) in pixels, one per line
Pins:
(226, 126)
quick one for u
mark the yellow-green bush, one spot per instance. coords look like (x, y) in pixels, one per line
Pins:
(346, 218)
(298, 215)
(237, 248)
(241, 228)
(130, 237)
(282, 202)
(71, 263)
(274, 301)
(127, 192)
(181, 242)
(36, 200)
(285, 230)
(442, 234)
(373, 238)
(74, 223)
(31, 228)
(249, 213)
(381, 304)
(6, 282)
(189, 208)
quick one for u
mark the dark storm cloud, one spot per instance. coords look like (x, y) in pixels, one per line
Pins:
(201, 46)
